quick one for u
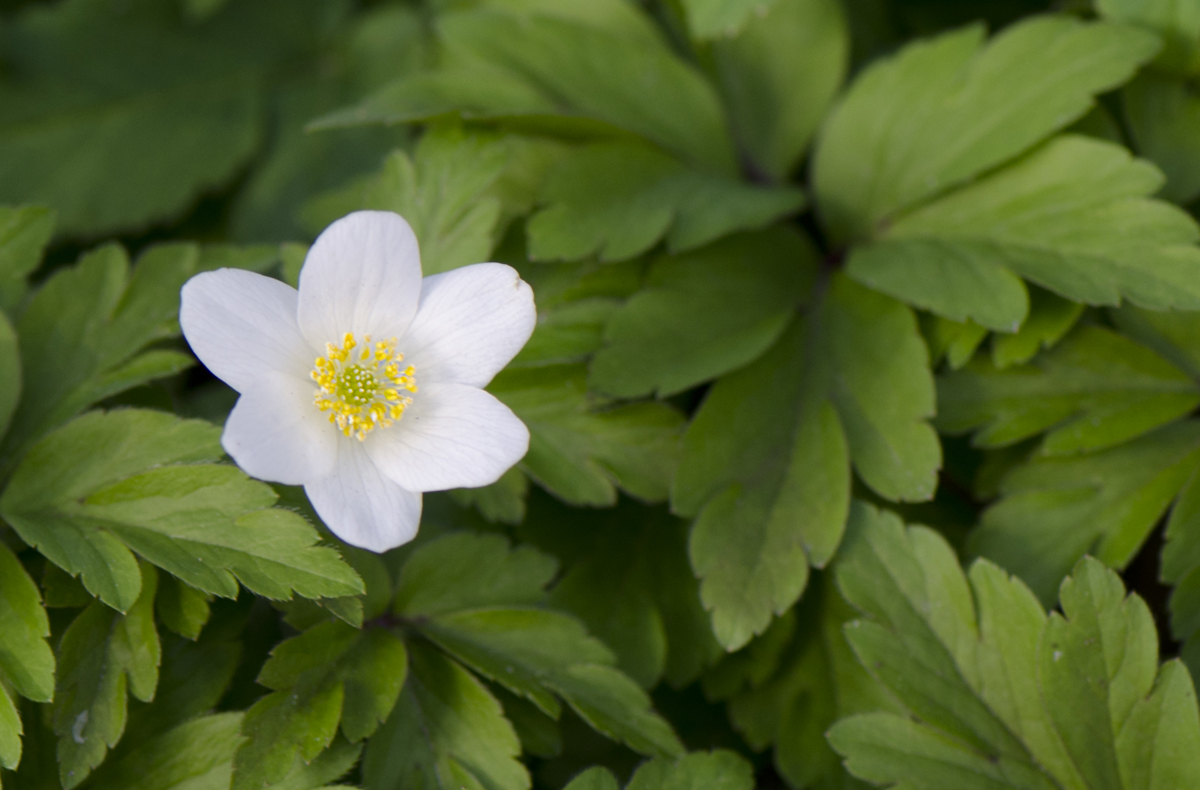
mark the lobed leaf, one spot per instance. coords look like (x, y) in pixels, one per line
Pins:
(1000, 695)
(537, 654)
(103, 653)
(108, 485)
(946, 109)
(1073, 216)
(1096, 389)
(330, 674)
(447, 731)
(766, 467)
(1053, 510)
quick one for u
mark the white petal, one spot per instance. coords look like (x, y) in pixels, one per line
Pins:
(276, 433)
(361, 506)
(362, 275)
(242, 325)
(453, 436)
(470, 323)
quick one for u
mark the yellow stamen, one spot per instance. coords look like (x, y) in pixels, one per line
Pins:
(364, 394)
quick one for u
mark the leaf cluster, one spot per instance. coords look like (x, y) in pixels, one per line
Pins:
(862, 398)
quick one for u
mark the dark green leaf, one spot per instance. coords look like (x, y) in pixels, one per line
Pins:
(122, 115)
(705, 313)
(787, 688)
(447, 732)
(468, 571)
(329, 674)
(103, 654)
(1178, 24)
(543, 66)
(617, 200)
(1163, 114)
(83, 335)
(779, 75)
(1053, 510)
(197, 755)
(1094, 390)
(10, 373)
(766, 461)
(582, 448)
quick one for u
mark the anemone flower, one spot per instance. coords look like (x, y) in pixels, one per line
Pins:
(365, 386)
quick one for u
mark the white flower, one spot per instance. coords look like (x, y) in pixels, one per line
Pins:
(365, 386)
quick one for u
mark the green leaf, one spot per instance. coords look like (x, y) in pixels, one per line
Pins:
(467, 571)
(83, 335)
(371, 47)
(192, 679)
(10, 373)
(709, 19)
(329, 674)
(330, 765)
(703, 314)
(947, 109)
(103, 654)
(503, 501)
(120, 117)
(1162, 114)
(561, 73)
(26, 661)
(443, 192)
(617, 200)
(954, 341)
(575, 303)
(475, 612)
(107, 485)
(582, 447)
(24, 232)
(716, 770)
(787, 688)
(1053, 510)
(999, 695)
(595, 778)
(1178, 24)
(1179, 566)
(778, 76)
(181, 607)
(1096, 389)
(536, 654)
(197, 754)
(1050, 318)
(447, 732)
(1073, 217)
(766, 460)
(634, 589)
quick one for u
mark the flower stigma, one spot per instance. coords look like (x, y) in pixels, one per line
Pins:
(362, 390)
